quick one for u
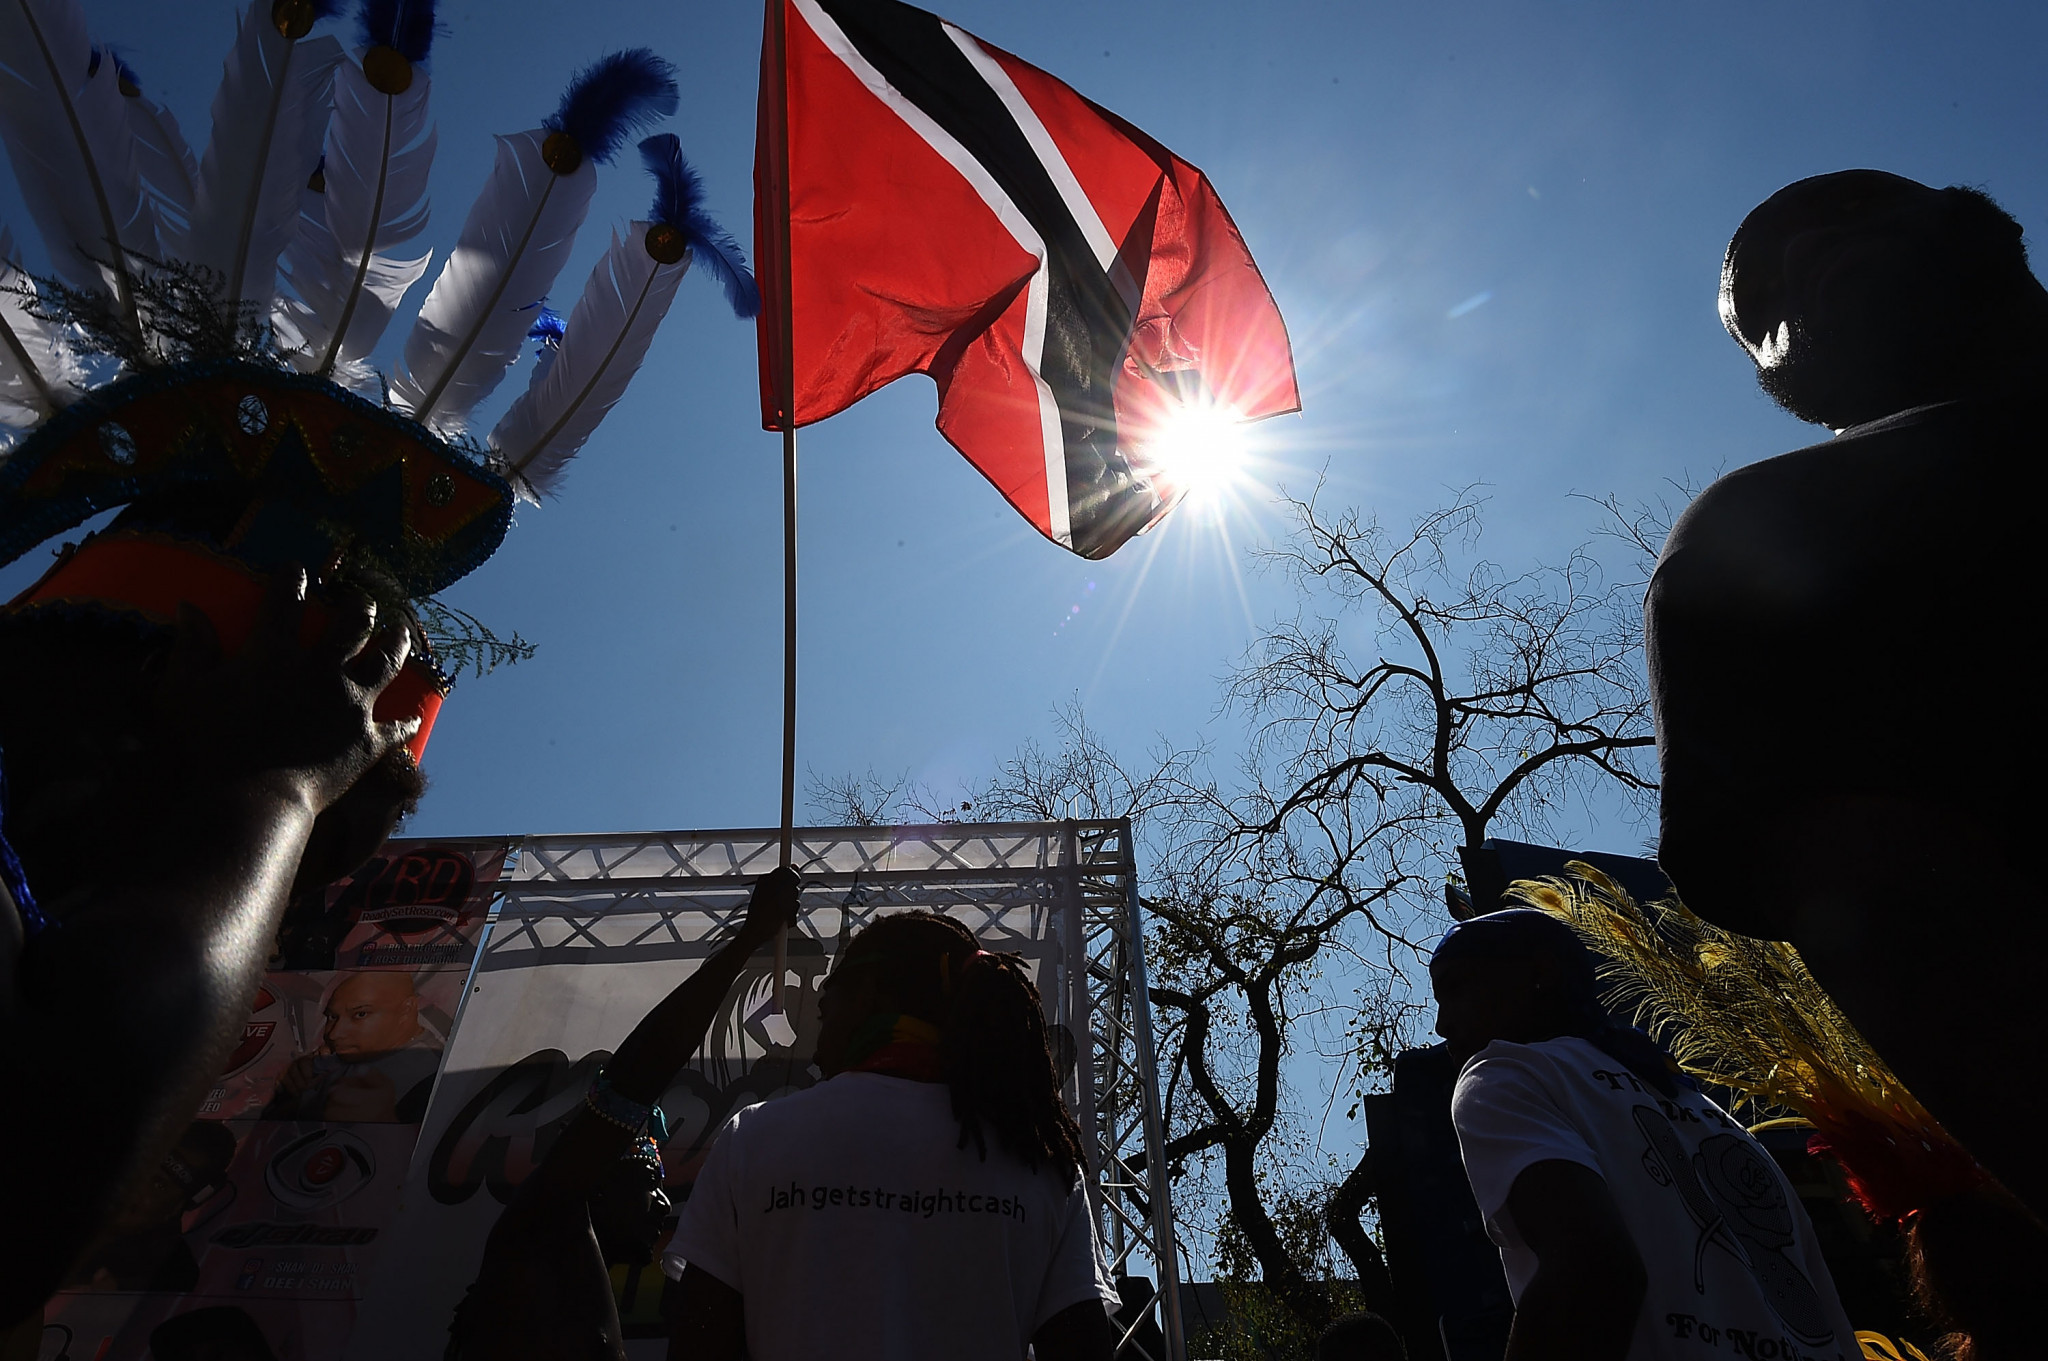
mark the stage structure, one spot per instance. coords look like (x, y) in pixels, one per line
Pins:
(587, 932)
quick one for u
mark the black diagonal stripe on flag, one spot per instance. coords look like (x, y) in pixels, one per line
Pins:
(1087, 324)
(1065, 280)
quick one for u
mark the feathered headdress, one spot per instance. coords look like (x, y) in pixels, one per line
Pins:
(200, 350)
(1747, 1015)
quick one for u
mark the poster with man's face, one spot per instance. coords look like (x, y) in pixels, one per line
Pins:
(256, 1236)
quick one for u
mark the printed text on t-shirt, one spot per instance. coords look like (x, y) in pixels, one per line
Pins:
(923, 1204)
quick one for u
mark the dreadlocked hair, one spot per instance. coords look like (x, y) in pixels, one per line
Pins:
(994, 1047)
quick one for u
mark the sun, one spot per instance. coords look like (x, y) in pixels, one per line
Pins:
(1199, 449)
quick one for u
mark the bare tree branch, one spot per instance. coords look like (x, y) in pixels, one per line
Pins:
(1419, 699)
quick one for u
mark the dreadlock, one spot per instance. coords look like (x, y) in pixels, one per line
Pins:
(994, 1047)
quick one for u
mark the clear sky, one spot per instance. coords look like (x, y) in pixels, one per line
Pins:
(1494, 230)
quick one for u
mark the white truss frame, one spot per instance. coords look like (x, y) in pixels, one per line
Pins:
(1072, 884)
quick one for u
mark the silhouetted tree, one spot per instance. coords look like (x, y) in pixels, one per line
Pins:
(1419, 699)
(1423, 698)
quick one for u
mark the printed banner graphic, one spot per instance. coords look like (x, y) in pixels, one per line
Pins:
(569, 968)
(428, 1029)
(264, 1221)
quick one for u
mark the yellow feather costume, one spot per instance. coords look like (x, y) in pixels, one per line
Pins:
(1746, 1014)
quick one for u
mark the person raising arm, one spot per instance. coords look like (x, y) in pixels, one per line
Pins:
(544, 1289)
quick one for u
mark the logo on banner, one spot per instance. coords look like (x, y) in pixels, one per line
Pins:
(318, 1169)
(421, 890)
(255, 1039)
(503, 1132)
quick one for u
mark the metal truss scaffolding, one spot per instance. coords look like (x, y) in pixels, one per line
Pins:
(1063, 893)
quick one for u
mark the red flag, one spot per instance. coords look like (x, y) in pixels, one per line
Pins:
(1070, 284)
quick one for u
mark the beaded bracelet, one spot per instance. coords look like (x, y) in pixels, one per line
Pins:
(629, 1115)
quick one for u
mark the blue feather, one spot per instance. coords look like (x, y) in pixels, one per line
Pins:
(121, 67)
(548, 327)
(405, 26)
(679, 202)
(613, 96)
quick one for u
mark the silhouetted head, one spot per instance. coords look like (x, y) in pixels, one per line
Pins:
(82, 739)
(1518, 975)
(1360, 1337)
(924, 974)
(1522, 975)
(1861, 293)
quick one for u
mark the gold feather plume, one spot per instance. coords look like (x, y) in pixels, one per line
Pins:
(1747, 1015)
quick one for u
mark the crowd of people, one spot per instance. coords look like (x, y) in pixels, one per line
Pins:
(1828, 779)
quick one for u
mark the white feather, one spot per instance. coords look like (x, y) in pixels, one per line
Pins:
(607, 338)
(39, 374)
(269, 116)
(167, 168)
(513, 244)
(343, 265)
(67, 138)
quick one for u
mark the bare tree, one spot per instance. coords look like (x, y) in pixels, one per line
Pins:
(1081, 778)
(857, 800)
(1419, 699)
(1491, 697)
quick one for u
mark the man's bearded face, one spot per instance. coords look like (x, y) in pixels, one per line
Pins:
(370, 1014)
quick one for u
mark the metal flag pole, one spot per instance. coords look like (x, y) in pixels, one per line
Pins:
(788, 680)
(776, 71)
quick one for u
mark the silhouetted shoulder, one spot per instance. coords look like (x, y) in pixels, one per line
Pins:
(1800, 501)
(1929, 500)
(1793, 600)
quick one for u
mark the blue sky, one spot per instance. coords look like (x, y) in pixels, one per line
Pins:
(1494, 230)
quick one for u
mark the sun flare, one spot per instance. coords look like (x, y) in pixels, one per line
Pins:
(1200, 449)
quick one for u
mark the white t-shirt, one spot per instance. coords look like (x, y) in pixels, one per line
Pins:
(1733, 1267)
(854, 1228)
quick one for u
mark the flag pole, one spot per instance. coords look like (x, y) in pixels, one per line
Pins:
(785, 386)
(788, 679)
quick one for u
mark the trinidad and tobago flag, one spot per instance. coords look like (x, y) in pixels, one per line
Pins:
(927, 203)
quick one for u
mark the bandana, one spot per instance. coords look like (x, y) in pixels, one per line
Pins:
(1527, 933)
(899, 1046)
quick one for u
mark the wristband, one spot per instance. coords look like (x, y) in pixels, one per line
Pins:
(629, 1115)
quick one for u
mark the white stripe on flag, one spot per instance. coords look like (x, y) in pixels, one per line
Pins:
(1052, 158)
(1058, 518)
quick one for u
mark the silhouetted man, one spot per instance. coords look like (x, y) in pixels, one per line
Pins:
(543, 1291)
(1636, 1220)
(1837, 640)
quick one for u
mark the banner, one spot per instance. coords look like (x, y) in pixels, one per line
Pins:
(568, 970)
(263, 1224)
(429, 1027)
